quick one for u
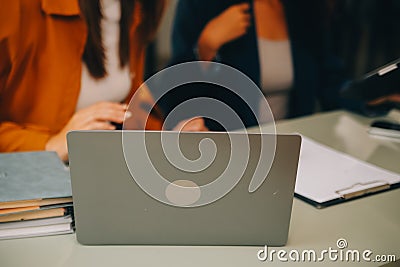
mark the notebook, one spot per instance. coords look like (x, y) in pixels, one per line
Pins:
(33, 228)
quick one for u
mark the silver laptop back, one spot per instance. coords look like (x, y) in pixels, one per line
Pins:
(111, 207)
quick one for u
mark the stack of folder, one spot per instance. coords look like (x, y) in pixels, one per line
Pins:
(35, 195)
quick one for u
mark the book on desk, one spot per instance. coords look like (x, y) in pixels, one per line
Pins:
(35, 195)
(327, 177)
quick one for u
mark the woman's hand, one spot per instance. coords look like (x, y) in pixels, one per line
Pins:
(228, 26)
(96, 117)
(191, 125)
(389, 98)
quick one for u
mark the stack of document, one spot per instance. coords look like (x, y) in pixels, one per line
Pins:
(35, 195)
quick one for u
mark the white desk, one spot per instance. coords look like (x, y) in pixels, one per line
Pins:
(370, 223)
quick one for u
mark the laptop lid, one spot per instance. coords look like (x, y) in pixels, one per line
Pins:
(112, 206)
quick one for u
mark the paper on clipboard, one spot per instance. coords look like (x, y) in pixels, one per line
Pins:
(325, 174)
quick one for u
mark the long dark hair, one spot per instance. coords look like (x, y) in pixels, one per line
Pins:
(94, 55)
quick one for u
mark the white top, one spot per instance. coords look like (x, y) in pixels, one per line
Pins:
(115, 86)
(276, 69)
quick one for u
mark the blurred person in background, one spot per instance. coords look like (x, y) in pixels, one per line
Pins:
(282, 45)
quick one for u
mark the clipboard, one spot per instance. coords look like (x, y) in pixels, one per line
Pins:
(328, 177)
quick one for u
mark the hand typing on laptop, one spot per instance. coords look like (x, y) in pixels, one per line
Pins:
(106, 116)
(94, 117)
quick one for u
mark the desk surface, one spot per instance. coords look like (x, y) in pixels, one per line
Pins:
(371, 223)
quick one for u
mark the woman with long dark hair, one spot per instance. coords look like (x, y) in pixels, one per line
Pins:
(71, 65)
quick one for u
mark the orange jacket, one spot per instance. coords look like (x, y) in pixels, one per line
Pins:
(41, 48)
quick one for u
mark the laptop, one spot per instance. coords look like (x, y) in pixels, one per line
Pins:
(113, 206)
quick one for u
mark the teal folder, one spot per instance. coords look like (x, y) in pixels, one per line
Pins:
(33, 175)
